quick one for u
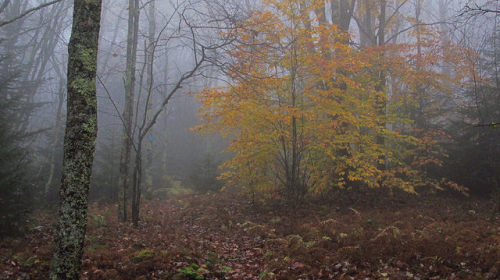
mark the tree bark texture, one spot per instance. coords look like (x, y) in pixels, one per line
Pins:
(79, 141)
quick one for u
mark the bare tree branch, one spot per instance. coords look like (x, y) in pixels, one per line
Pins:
(28, 12)
(116, 109)
(478, 9)
(4, 5)
(411, 27)
(493, 124)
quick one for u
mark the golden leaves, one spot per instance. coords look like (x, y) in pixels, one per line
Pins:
(304, 101)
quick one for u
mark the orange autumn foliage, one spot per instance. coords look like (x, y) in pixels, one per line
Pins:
(302, 109)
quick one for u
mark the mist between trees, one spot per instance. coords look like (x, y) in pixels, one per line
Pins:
(280, 100)
(435, 69)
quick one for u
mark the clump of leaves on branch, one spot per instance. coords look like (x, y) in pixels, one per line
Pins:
(303, 110)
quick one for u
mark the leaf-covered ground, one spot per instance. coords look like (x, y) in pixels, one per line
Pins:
(223, 236)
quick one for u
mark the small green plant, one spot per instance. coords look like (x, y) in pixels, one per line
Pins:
(266, 275)
(192, 271)
(396, 232)
(275, 220)
(143, 255)
(99, 220)
(268, 253)
(29, 262)
(94, 242)
(94, 247)
(224, 269)
(212, 257)
(309, 244)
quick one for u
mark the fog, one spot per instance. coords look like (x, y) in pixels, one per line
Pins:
(36, 45)
(182, 108)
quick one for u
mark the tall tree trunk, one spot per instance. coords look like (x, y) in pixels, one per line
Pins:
(43, 49)
(420, 122)
(342, 12)
(147, 118)
(79, 141)
(136, 187)
(444, 30)
(149, 84)
(57, 141)
(39, 50)
(165, 123)
(105, 62)
(366, 23)
(381, 101)
(127, 138)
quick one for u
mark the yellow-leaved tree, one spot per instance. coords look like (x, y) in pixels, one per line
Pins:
(302, 110)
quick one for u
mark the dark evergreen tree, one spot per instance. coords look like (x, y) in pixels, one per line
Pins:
(475, 149)
(15, 190)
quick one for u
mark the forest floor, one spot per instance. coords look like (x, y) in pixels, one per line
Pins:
(224, 236)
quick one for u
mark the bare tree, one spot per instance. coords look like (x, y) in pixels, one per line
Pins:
(193, 38)
(128, 110)
(150, 84)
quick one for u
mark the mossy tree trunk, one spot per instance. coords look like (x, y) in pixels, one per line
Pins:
(79, 141)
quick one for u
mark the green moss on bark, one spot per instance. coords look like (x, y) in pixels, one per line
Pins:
(79, 141)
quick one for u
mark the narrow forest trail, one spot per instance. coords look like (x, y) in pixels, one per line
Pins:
(220, 236)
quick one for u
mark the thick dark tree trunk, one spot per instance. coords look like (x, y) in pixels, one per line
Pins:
(79, 141)
(342, 12)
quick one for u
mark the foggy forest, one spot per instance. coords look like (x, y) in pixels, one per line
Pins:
(239, 139)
